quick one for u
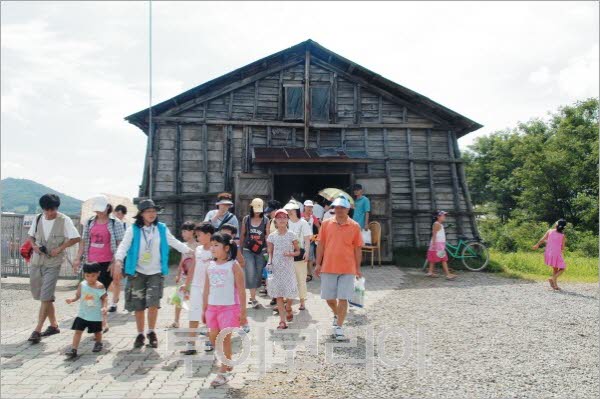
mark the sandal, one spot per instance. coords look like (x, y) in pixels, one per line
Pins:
(173, 325)
(221, 379)
(451, 277)
(309, 278)
(282, 325)
(302, 307)
(290, 315)
(432, 275)
(552, 283)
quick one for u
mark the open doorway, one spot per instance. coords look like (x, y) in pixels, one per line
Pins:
(303, 187)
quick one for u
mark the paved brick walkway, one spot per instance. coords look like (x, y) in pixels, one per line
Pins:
(35, 371)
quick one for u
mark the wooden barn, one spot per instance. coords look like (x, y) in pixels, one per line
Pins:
(301, 120)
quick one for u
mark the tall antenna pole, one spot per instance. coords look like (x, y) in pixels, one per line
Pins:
(150, 126)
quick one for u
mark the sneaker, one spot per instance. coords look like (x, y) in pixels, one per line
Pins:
(112, 308)
(208, 347)
(334, 321)
(339, 334)
(71, 354)
(139, 341)
(97, 347)
(51, 330)
(152, 339)
(254, 303)
(35, 337)
(273, 302)
(189, 352)
(262, 290)
(246, 329)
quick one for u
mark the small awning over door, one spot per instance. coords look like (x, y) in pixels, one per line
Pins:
(301, 155)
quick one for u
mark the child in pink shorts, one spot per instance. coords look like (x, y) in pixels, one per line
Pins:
(437, 247)
(224, 298)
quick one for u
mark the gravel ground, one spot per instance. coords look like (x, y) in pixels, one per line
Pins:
(482, 336)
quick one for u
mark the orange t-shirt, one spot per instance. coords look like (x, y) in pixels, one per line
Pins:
(339, 242)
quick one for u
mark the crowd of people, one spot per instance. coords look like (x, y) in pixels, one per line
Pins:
(275, 250)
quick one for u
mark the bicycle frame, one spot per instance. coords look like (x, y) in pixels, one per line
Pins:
(455, 250)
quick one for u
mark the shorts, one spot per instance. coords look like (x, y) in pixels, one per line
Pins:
(222, 316)
(105, 277)
(42, 280)
(195, 304)
(337, 286)
(143, 291)
(80, 324)
(253, 268)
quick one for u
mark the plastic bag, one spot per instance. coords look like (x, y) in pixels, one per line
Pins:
(178, 298)
(358, 299)
(366, 236)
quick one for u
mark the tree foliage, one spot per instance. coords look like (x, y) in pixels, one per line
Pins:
(540, 171)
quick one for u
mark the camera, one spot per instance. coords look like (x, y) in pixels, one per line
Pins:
(44, 250)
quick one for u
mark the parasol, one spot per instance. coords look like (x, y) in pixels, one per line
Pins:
(332, 193)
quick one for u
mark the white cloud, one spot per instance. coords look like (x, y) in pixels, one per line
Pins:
(72, 71)
(579, 78)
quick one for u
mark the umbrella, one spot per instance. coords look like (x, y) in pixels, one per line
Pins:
(114, 200)
(332, 193)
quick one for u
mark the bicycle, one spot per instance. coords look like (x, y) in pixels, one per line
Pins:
(474, 255)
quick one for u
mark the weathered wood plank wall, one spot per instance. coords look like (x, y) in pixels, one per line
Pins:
(205, 147)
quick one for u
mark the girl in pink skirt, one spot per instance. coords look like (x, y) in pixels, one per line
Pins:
(437, 247)
(555, 245)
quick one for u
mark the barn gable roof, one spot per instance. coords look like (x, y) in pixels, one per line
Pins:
(327, 59)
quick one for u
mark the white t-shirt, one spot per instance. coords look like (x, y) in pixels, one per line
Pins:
(203, 259)
(301, 229)
(149, 239)
(318, 211)
(329, 214)
(69, 232)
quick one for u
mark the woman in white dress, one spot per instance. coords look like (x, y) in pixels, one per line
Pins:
(282, 246)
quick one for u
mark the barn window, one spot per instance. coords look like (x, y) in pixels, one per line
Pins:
(319, 103)
(294, 102)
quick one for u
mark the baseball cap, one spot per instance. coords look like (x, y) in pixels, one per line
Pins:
(281, 212)
(308, 203)
(440, 213)
(257, 205)
(290, 206)
(99, 203)
(341, 201)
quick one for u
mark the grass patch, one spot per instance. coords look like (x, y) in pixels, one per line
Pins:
(530, 265)
(521, 265)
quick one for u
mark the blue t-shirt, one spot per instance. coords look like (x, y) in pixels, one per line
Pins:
(361, 207)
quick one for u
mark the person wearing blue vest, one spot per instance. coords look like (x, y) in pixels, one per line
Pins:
(146, 247)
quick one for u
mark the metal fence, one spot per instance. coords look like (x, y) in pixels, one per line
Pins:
(13, 234)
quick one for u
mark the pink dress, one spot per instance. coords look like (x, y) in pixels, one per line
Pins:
(553, 254)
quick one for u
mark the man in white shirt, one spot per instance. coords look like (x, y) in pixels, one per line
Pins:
(50, 234)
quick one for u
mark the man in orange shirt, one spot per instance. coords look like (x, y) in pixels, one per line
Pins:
(338, 262)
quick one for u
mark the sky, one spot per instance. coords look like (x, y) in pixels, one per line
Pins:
(71, 71)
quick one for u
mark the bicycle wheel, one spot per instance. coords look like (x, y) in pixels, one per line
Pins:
(475, 256)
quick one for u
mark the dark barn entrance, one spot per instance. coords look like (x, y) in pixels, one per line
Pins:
(303, 187)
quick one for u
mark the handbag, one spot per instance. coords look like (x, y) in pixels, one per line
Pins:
(301, 256)
(26, 249)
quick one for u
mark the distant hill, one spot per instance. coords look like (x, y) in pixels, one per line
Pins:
(22, 196)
